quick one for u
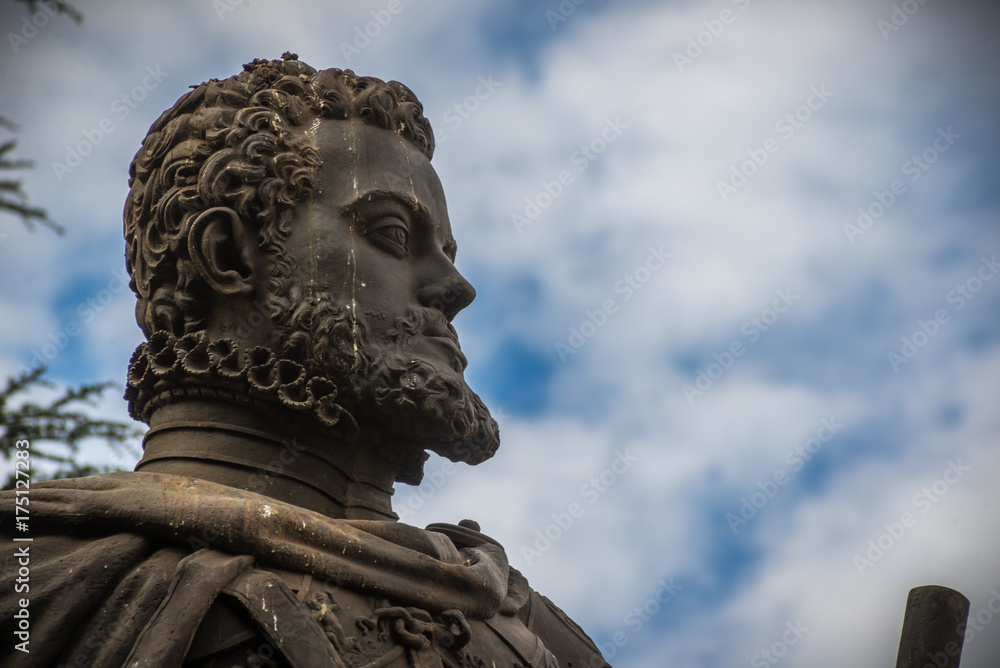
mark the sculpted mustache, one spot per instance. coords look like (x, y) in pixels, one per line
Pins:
(425, 321)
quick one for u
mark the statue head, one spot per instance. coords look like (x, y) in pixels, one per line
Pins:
(289, 247)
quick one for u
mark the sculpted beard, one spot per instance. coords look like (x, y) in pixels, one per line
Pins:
(380, 381)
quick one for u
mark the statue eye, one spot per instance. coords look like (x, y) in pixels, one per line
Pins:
(391, 233)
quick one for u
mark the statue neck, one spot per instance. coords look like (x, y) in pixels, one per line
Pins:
(275, 454)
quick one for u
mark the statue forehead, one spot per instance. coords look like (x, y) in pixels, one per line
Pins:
(358, 158)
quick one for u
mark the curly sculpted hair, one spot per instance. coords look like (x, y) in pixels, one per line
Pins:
(232, 143)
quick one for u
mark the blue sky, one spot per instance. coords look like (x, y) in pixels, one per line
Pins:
(713, 159)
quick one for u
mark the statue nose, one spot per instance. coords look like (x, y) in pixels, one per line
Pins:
(449, 296)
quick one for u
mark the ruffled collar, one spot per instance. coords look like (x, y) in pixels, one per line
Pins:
(167, 369)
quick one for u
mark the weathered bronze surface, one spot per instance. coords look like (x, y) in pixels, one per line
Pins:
(933, 628)
(293, 260)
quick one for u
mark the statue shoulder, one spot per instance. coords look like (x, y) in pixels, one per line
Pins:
(556, 630)
(561, 635)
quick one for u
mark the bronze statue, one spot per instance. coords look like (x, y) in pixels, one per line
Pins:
(291, 252)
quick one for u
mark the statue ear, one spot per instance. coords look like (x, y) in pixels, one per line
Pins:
(223, 251)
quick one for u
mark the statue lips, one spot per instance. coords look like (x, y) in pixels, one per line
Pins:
(450, 340)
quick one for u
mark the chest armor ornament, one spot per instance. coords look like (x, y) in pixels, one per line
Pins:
(269, 618)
